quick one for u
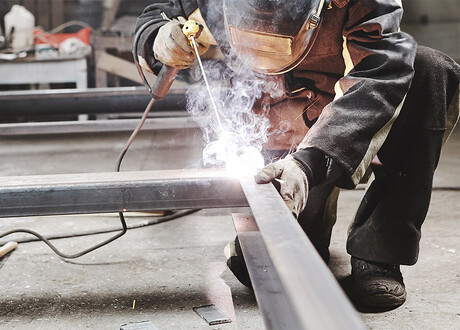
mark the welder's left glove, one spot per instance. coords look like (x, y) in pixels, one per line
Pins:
(293, 182)
(299, 172)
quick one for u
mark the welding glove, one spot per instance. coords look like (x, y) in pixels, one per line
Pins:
(171, 46)
(293, 182)
(299, 172)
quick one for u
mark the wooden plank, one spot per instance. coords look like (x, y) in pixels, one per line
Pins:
(110, 11)
(120, 43)
(100, 75)
(117, 66)
(123, 68)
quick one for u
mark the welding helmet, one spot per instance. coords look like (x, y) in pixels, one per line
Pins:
(272, 36)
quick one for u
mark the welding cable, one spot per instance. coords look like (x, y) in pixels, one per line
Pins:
(46, 239)
(55, 250)
(134, 134)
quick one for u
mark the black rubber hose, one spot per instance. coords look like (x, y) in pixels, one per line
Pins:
(151, 222)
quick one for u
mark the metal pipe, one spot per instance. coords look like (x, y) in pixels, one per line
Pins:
(314, 293)
(115, 192)
(84, 101)
(94, 126)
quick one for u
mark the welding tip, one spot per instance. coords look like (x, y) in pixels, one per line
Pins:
(192, 29)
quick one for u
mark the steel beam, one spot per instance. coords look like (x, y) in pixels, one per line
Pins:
(273, 302)
(313, 292)
(114, 192)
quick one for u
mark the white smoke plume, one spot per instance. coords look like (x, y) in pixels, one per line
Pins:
(237, 144)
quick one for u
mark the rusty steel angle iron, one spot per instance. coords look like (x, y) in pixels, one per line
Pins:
(314, 293)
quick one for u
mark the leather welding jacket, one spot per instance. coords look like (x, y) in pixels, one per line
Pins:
(350, 87)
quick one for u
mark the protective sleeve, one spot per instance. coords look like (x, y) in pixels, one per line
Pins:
(152, 18)
(379, 62)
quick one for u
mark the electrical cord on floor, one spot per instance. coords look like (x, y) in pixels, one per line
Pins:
(150, 222)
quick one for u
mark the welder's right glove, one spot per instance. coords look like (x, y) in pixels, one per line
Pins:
(171, 46)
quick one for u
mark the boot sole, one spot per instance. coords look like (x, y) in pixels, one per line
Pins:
(382, 300)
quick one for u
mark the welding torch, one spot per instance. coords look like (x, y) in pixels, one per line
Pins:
(163, 82)
(167, 74)
(158, 91)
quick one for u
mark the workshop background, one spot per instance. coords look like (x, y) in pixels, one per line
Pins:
(68, 104)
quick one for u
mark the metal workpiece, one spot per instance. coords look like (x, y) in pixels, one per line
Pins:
(115, 192)
(274, 304)
(316, 297)
(27, 104)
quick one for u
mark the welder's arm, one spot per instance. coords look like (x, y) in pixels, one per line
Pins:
(298, 173)
(378, 60)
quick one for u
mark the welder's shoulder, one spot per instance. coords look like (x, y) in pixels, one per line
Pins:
(169, 10)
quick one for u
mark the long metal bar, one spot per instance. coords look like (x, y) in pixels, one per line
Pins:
(315, 295)
(273, 302)
(94, 126)
(114, 192)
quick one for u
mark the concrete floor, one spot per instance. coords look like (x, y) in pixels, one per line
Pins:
(174, 266)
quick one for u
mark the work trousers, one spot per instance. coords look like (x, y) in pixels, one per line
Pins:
(387, 224)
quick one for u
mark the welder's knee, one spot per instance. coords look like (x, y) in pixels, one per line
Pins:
(434, 85)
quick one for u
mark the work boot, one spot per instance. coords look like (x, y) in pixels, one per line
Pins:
(378, 284)
(236, 263)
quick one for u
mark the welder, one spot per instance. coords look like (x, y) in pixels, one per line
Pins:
(365, 103)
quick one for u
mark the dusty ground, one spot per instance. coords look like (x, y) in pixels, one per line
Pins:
(171, 267)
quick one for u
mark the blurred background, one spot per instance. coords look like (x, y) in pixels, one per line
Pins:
(432, 23)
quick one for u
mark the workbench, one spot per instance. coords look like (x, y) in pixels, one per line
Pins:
(33, 70)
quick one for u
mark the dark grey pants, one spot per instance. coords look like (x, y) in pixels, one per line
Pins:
(387, 224)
